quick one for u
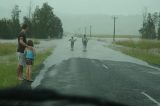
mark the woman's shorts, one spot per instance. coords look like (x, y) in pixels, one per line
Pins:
(29, 61)
(21, 59)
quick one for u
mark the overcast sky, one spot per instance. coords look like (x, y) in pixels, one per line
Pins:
(68, 10)
(111, 7)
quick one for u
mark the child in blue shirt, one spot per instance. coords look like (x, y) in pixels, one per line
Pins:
(29, 55)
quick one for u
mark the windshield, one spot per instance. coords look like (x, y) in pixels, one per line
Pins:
(80, 52)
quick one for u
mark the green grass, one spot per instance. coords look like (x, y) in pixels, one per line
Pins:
(8, 77)
(117, 36)
(10, 48)
(40, 57)
(141, 44)
(127, 43)
(143, 55)
(7, 48)
(147, 50)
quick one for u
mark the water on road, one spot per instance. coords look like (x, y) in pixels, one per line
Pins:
(100, 71)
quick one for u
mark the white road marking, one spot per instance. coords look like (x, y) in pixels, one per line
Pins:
(155, 73)
(158, 69)
(106, 67)
(150, 98)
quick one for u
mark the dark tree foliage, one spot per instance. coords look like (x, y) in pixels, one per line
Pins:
(148, 31)
(15, 19)
(43, 24)
(10, 28)
(29, 23)
(6, 31)
(159, 27)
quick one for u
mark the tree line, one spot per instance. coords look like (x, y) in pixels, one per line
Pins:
(43, 23)
(151, 26)
(10, 27)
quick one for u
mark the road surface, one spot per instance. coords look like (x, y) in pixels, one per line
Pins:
(99, 72)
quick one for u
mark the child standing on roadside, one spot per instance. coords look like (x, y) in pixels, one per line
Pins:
(29, 55)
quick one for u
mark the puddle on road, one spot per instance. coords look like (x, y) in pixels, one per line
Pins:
(95, 50)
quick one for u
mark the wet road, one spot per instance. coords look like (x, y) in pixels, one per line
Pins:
(100, 72)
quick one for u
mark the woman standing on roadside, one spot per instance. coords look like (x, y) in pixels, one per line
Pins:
(22, 44)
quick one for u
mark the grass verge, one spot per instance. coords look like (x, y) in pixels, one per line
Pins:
(140, 44)
(117, 36)
(8, 65)
(147, 50)
(7, 49)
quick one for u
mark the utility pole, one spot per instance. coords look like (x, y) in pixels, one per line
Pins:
(30, 9)
(114, 32)
(79, 31)
(90, 30)
(85, 29)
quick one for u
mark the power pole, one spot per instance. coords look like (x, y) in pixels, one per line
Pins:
(85, 29)
(30, 9)
(79, 31)
(90, 30)
(114, 32)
